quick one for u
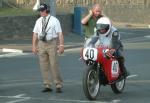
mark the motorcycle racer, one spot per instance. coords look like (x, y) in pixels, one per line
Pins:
(107, 36)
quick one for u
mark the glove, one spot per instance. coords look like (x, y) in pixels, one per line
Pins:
(109, 53)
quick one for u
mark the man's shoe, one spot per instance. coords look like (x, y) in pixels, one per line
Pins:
(47, 90)
(58, 90)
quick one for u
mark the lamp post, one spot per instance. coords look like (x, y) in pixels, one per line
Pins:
(36, 6)
(52, 4)
(1, 3)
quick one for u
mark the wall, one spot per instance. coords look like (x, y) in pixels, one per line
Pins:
(22, 26)
(134, 14)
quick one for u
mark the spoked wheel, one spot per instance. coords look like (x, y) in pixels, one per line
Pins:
(118, 87)
(91, 83)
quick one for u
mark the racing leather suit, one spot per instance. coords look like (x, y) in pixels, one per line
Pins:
(111, 40)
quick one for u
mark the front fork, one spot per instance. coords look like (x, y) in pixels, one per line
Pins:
(102, 77)
(99, 71)
(96, 67)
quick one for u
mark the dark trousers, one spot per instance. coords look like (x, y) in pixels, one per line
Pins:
(121, 61)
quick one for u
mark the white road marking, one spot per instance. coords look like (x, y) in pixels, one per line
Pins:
(72, 50)
(147, 36)
(115, 101)
(127, 33)
(12, 50)
(19, 98)
(20, 95)
(131, 76)
(13, 55)
(78, 101)
(67, 83)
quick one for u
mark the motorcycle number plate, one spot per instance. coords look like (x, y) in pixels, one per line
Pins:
(115, 68)
(90, 54)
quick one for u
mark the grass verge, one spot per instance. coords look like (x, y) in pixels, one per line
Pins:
(16, 12)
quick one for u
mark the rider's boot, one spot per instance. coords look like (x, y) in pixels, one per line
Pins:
(122, 66)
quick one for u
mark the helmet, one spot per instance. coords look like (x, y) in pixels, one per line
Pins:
(103, 26)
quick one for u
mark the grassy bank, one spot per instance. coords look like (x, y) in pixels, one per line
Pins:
(16, 12)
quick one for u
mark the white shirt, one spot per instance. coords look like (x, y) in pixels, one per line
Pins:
(52, 29)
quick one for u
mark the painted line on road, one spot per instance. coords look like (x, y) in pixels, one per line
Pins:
(12, 50)
(82, 101)
(13, 54)
(74, 50)
(65, 84)
(79, 101)
(147, 36)
(127, 33)
(20, 98)
(131, 76)
(35, 83)
(16, 96)
(20, 95)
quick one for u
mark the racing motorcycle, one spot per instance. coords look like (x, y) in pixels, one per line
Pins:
(101, 70)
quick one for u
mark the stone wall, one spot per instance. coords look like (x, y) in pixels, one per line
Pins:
(134, 14)
(19, 26)
(22, 26)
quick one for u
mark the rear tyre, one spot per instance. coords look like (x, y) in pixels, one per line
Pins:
(118, 87)
(91, 83)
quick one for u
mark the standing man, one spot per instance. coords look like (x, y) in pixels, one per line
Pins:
(46, 34)
(89, 21)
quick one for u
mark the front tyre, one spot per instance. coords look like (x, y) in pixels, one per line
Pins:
(91, 83)
(118, 87)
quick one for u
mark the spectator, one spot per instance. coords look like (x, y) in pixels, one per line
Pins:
(46, 32)
(89, 21)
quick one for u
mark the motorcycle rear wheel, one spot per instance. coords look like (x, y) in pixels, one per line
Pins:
(91, 83)
(118, 87)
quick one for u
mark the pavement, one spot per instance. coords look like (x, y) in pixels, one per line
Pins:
(70, 41)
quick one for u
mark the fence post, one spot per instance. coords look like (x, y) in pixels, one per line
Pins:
(52, 4)
(1, 3)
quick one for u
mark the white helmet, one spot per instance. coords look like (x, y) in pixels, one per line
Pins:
(103, 26)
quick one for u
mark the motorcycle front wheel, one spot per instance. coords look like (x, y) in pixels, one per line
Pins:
(91, 83)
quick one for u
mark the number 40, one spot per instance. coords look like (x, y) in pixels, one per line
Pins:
(89, 53)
